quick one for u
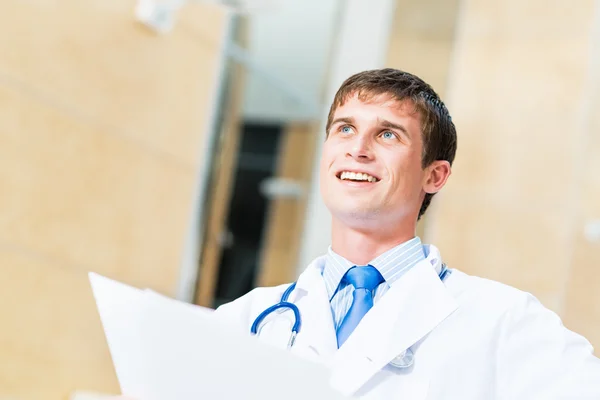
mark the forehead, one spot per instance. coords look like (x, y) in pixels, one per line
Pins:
(377, 106)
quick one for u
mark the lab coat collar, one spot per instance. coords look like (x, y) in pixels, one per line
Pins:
(317, 335)
(411, 308)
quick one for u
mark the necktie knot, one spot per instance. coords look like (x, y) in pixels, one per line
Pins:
(367, 277)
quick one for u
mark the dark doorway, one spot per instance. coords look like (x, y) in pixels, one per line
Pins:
(257, 161)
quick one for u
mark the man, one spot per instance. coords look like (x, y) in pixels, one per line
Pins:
(380, 308)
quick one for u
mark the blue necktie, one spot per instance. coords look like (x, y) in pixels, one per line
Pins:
(364, 280)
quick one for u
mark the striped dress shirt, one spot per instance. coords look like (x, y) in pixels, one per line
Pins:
(392, 265)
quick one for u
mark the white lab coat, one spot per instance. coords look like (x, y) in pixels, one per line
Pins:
(471, 338)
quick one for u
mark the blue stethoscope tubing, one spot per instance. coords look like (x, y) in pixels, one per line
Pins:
(284, 303)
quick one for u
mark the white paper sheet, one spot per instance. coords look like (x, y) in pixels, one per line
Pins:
(167, 350)
(119, 308)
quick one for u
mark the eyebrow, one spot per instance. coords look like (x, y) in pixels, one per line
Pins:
(346, 120)
(387, 124)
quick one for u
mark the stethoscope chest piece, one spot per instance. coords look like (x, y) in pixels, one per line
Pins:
(404, 360)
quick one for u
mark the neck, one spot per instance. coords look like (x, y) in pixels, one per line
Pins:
(360, 246)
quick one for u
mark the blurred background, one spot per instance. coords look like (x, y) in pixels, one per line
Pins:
(173, 145)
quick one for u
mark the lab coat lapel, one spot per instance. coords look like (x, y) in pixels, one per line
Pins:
(317, 334)
(411, 308)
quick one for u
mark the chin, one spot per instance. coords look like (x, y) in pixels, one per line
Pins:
(357, 218)
(364, 214)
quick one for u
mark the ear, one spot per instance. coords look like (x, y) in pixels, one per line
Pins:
(436, 175)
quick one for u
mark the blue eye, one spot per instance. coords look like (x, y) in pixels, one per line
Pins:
(346, 129)
(388, 135)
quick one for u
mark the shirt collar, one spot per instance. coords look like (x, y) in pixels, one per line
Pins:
(392, 264)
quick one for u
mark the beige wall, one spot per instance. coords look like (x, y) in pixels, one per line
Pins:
(422, 39)
(522, 90)
(101, 124)
(581, 301)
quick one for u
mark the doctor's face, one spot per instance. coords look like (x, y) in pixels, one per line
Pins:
(371, 170)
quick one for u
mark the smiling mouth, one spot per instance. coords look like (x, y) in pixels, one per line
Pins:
(356, 177)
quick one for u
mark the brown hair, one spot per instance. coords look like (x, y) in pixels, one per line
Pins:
(439, 132)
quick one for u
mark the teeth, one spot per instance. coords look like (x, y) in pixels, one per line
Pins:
(357, 176)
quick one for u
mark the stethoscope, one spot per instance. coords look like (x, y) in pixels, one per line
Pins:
(403, 361)
(283, 303)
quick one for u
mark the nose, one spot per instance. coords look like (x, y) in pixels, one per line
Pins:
(361, 148)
